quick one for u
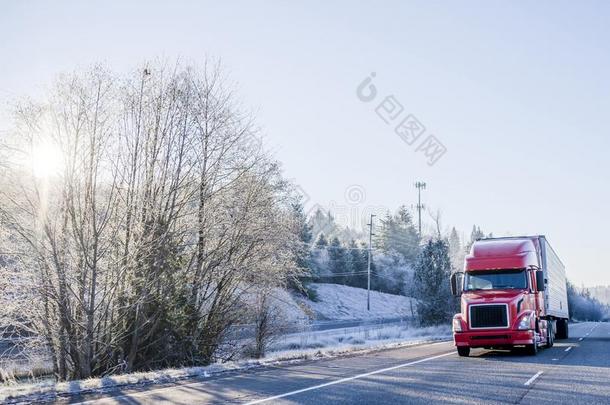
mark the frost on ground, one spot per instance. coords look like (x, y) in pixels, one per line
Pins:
(340, 302)
(292, 348)
(359, 337)
(335, 302)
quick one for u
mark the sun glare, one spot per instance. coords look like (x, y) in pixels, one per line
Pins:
(46, 160)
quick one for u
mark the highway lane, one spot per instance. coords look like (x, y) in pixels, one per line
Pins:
(572, 372)
(582, 375)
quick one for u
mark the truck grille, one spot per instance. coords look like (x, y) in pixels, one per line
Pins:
(488, 316)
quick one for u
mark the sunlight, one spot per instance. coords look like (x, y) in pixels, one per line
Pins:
(46, 160)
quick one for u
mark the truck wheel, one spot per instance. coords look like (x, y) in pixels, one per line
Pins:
(562, 329)
(532, 350)
(549, 336)
(463, 351)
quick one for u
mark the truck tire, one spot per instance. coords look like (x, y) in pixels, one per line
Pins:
(549, 336)
(532, 350)
(562, 329)
(463, 351)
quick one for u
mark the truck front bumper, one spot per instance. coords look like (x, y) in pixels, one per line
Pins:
(494, 338)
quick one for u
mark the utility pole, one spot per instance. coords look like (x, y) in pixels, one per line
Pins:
(368, 283)
(420, 185)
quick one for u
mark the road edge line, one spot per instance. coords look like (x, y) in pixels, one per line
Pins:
(346, 379)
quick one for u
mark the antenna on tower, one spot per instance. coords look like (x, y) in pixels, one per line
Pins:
(419, 185)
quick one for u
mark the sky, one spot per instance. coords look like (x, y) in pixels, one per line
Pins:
(517, 93)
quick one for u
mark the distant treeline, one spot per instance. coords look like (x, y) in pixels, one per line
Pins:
(584, 307)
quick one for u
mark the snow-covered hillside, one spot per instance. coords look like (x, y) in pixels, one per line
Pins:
(339, 302)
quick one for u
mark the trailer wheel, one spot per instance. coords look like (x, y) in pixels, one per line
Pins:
(562, 329)
(463, 351)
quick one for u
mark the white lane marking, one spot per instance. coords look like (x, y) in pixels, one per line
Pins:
(342, 380)
(531, 380)
(568, 349)
(171, 387)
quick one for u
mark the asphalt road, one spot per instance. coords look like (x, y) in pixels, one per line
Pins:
(574, 371)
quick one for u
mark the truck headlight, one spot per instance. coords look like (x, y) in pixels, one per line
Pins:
(457, 325)
(524, 323)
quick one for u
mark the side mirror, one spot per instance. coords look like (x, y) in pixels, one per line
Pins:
(540, 280)
(455, 284)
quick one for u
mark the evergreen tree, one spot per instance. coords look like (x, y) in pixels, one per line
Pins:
(319, 258)
(303, 231)
(338, 260)
(357, 265)
(391, 274)
(321, 243)
(456, 253)
(323, 223)
(475, 235)
(302, 250)
(431, 284)
(572, 293)
(583, 307)
(398, 233)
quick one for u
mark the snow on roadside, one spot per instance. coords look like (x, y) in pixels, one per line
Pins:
(331, 345)
(359, 336)
(294, 310)
(336, 302)
(340, 302)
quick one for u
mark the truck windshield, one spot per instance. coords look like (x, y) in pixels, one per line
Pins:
(495, 280)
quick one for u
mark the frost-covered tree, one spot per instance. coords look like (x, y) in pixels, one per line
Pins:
(583, 307)
(319, 256)
(357, 264)
(304, 234)
(269, 320)
(431, 284)
(338, 258)
(392, 274)
(397, 233)
(475, 235)
(157, 214)
(302, 250)
(397, 247)
(323, 223)
(321, 242)
(601, 293)
(456, 251)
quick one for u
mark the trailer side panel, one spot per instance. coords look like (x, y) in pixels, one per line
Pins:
(556, 296)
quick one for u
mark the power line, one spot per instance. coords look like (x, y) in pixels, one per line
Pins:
(343, 273)
(335, 248)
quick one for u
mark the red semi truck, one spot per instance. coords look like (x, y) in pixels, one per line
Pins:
(513, 293)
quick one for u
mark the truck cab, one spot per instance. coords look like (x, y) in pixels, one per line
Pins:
(503, 301)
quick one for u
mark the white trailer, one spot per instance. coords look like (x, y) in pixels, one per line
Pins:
(555, 292)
